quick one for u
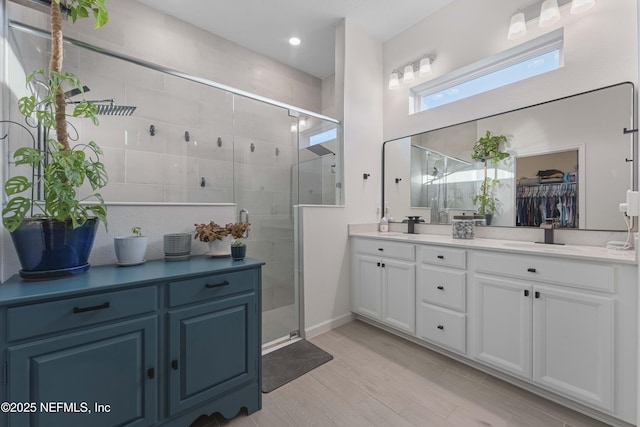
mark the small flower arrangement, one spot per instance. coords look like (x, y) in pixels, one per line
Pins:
(211, 232)
(238, 230)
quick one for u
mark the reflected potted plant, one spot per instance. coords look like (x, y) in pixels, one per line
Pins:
(54, 236)
(488, 149)
(238, 231)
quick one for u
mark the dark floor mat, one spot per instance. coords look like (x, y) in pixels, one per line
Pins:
(288, 363)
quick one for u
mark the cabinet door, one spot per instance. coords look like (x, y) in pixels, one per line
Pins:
(399, 294)
(367, 286)
(573, 344)
(212, 350)
(112, 365)
(503, 324)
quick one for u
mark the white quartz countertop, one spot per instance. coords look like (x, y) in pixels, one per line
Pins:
(585, 253)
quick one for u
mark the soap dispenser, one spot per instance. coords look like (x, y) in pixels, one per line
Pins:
(384, 224)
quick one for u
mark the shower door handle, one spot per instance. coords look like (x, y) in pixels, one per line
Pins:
(246, 218)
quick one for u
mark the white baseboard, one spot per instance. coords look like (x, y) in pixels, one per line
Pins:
(323, 327)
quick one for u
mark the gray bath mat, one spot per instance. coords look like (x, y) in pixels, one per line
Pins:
(288, 363)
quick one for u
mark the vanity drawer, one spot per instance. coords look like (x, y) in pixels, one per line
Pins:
(211, 286)
(385, 249)
(442, 327)
(55, 316)
(448, 257)
(444, 287)
(598, 277)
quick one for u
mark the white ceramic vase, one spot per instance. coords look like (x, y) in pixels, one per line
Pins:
(130, 250)
(220, 248)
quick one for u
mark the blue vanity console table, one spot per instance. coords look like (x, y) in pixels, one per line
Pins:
(157, 344)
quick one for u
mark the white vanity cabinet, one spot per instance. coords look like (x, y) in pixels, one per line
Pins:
(383, 277)
(539, 319)
(441, 297)
(553, 322)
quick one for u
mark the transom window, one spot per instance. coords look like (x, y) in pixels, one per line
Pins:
(530, 59)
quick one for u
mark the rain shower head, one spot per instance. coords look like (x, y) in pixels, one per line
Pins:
(114, 110)
(106, 107)
(319, 150)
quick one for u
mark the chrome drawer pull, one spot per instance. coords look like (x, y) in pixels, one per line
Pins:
(217, 285)
(92, 308)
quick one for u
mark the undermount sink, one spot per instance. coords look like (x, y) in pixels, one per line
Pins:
(542, 246)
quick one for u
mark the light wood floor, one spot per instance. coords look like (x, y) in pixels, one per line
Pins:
(378, 379)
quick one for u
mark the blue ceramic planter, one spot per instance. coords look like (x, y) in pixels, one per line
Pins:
(50, 249)
(238, 252)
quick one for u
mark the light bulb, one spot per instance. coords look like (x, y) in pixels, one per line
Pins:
(425, 66)
(394, 83)
(549, 13)
(408, 74)
(579, 6)
(517, 27)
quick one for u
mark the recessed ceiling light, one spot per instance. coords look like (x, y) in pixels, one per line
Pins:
(294, 41)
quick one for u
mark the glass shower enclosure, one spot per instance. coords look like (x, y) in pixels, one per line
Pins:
(217, 146)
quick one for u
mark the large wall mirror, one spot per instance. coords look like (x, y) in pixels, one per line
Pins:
(569, 159)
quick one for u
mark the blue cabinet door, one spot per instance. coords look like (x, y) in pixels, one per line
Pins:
(69, 375)
(212, 350)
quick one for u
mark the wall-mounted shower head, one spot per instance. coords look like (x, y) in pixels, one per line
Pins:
(113, 110)
(106, 107)
(319, 150)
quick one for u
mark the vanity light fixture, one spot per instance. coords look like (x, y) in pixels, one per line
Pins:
(579, 6)
(394, 80)
(517, 27)
(425, 66)
(548, 12)
(408, 74)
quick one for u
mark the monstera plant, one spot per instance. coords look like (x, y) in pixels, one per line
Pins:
(54, 234)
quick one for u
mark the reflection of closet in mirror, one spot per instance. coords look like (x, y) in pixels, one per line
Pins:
(547, 188)
(441, 183)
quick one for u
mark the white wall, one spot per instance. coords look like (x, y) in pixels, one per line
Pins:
(600, 48)
(139, 31)
(326, 247)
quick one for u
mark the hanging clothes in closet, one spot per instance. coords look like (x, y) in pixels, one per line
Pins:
(537, 203)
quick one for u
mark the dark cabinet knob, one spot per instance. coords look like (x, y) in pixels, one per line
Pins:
(537, 294)
(174, 364)
(526, 292)
(382, 265)
(440, 256)
(440, 287)
(441, 327)
(531, 270)
(151, 373)
(378, 264)
(380, 249)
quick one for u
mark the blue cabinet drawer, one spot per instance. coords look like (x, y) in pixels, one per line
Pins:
(211, 286)
(55, 316)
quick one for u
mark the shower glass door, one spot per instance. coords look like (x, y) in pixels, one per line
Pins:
(265, 187)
